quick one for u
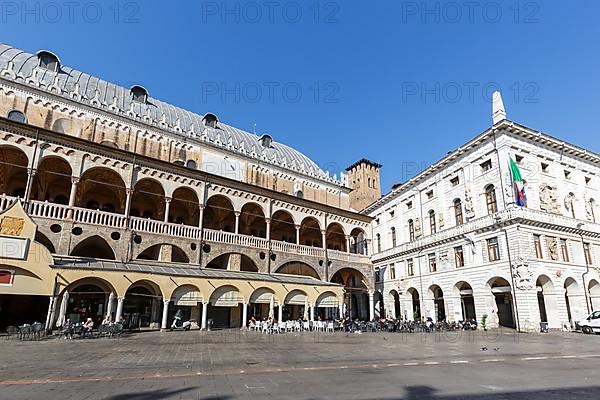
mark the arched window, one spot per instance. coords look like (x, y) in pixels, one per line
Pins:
(458, 212)
(411, 230)
(378, 243)
(490, 199)
(393, 232)
(48, 61)
(17, 116)
(139, 94)
(300, 194)
(432, 225)
(210, 120)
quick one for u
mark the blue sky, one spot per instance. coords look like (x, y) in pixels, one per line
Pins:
(398, 82)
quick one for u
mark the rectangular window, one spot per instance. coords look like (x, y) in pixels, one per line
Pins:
(377, 275)
(588, 180)
(564, 250)
(567, 175)
(410, 267)
(588, 253)
(545, 168)
(392, 271)
(393, 233)
(459, 257)
(519, 159)
(537, 241)
(493, 251)
(409, 205)
(429, 194)
(455, 181)
(392, 214)
(486, 166)
(432, 262)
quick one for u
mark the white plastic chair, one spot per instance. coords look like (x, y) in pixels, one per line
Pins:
(265, 327)
(306, 326)
(289, 326)
(330, 326)
(297, 327)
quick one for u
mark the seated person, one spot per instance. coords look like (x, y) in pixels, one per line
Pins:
(88, 326)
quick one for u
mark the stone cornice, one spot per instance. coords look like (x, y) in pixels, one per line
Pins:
(505, 126)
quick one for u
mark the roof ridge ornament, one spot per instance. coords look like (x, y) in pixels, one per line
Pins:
(498, 110)
(9, 71)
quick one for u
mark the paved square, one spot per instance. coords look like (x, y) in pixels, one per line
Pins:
(234, 365)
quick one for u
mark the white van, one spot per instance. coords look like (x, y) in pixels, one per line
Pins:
(591, 324)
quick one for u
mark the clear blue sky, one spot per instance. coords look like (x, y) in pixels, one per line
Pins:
(370, 60)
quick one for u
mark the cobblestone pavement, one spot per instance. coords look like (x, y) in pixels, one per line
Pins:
(234, 365)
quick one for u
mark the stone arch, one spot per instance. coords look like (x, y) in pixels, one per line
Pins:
(164, 252)
(394, 298)
(185, 207)
(262, 303)
(52, 181)
(547, 301)
(142, 305)
(336, 237)
(501, 302)
(86, 298)
(358, 241)
(356, 302)
(219, 214)
(464, 291)
(574, 299)
(13, 171)
(233, 262)
(298, 268)
(310, 232)
(44, 241)
(148, 199)
(283, 227)
(436, 295)
(94, 247)
(414, 300)
(252, 220)
(102, 189)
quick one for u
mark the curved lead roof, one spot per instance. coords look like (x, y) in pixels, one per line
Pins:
(22, 67)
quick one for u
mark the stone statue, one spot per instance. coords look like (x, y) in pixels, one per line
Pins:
(418, 228)
(469, 209)
(509, 188)
(553, 248)
(569, 202)
(548, 199)
(441, 221)
(589, 209)
(523, 275)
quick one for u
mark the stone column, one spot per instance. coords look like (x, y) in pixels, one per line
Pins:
(312, 312)
(204, 315)
(371, 305)
(280, 313)
(167, 208)
(324, 238)
(268, 222)
(165, 314)
(237, 222)
(348, 244)
(128, 194)
(119, 314)
(341, 310)
(200, 215)
(298, 234)
(73, 195)
(244, 315)
(30, 175)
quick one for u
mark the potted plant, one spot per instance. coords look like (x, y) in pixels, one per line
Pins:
(484, 321)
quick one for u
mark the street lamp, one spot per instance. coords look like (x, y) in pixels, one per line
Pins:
(587, 265)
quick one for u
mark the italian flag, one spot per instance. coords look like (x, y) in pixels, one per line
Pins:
(520, 196)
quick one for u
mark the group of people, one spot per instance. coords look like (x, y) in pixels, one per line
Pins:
(85, 329)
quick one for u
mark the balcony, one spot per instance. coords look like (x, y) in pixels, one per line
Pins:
(59, 212)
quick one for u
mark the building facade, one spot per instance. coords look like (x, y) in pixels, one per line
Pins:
(451, 243)
(115, 203)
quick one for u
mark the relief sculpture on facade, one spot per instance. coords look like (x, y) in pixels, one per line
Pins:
(523, 275)
(548, 199)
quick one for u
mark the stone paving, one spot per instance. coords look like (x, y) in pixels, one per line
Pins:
(236, 365)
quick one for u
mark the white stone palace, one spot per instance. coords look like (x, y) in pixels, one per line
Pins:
(451, 243)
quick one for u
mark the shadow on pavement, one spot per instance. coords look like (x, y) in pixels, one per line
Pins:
(158, 395)
(428, 393)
